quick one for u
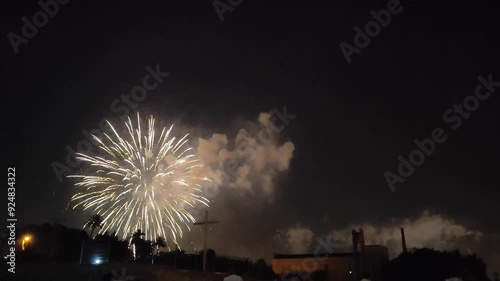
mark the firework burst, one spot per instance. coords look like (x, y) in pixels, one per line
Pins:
(142, 181)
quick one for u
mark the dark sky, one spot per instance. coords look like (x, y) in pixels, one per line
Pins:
(353, 119)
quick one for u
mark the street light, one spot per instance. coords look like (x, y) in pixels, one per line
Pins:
(26, 239)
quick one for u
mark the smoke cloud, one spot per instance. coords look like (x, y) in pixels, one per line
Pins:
(296, 240)
(430, 231)
(250, 162)
(427, 230)
(245, 168)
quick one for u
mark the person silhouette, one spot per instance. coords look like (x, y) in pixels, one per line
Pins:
(233, 276)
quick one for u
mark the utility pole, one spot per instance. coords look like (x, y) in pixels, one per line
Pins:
(205, 223)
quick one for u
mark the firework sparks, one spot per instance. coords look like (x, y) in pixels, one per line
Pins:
(142, 181)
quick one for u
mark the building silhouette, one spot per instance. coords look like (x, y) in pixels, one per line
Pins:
(365, 261)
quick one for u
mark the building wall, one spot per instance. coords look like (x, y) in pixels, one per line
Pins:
(376, 257)
(338, 268)
(341, 267)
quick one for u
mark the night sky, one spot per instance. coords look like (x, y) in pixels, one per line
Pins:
(352, 120)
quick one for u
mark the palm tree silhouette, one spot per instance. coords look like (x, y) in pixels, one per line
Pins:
(136, 240)
(159, 243)
(94, 221)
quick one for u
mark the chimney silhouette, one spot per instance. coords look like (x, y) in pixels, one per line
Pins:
(403, 240)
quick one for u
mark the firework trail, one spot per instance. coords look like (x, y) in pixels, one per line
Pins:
(142, 181)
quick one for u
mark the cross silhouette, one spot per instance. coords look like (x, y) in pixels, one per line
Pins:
(206, 222)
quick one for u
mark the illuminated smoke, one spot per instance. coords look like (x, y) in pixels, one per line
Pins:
(430, 231)
(294, 240)
(250, 162)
